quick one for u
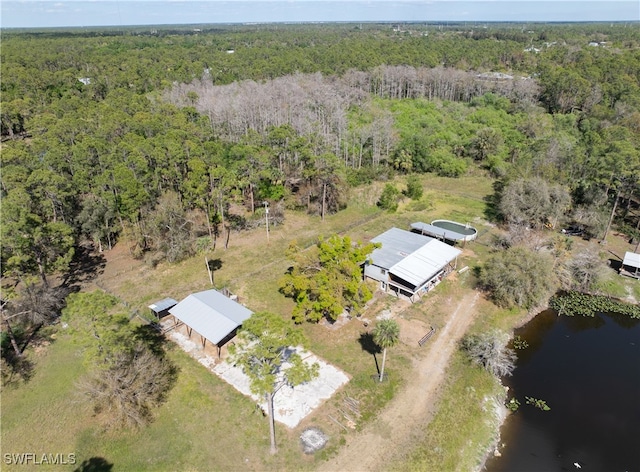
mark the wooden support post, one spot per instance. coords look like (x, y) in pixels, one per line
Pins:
(206, 260)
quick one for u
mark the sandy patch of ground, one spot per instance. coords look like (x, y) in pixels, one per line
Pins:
(291, 404)
(411, 331)
(371, 448)
(630, 298)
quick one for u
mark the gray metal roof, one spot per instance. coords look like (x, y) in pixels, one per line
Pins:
(438, 232)
(163, 304)
(211, 314)
(396, 245)
(631, 259)
(424, 263)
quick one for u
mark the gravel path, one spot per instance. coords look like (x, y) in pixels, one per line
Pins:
(371, 448)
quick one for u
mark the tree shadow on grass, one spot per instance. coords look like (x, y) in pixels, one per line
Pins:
(213, 265)
(492, 209)
(85, 266)
(153, 339)
(94, 464)
(15, 369)
(369, 345)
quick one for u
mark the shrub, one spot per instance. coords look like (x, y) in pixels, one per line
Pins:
(414, 187)
(389, 198)
(490, 351)
(518, 277)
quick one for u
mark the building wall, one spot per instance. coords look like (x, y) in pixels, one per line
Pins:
(376, 273)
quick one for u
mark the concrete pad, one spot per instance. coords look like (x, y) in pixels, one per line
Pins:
(291, 405)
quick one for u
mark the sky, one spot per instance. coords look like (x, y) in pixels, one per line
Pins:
(79, 13)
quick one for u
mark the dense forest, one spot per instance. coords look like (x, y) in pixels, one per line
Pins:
(168, 139)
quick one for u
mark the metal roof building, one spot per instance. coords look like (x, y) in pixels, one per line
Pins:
(409, 264)
(162, 307)
(212, 315)
(631, 265)
(437, 232)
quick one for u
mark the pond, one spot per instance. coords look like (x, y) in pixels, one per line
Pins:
(588, 372)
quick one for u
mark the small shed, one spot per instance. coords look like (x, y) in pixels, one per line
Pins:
(631, 265)
(161, 308)
(212, 315)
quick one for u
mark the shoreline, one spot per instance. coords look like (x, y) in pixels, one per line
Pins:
(494, 446)
(501, 411)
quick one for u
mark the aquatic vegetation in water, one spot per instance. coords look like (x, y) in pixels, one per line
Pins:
(513, 404)
(540, 404)
(576, 303)
(519, 343)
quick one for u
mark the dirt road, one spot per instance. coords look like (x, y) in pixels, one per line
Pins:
(371, 448)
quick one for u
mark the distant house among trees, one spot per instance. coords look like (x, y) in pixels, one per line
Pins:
(212, 315)
(409, 264)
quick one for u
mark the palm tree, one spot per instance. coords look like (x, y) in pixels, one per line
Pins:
(386, 334)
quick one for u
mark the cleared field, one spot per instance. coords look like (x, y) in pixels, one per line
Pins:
(206, 424)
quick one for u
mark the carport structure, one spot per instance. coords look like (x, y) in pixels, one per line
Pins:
(212, 315)
(631, 265)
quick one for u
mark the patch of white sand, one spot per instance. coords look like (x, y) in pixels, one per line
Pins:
(290, 404)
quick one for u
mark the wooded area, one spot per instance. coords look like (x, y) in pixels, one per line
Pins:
(169, 139)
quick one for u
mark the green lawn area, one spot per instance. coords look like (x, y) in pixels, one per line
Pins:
(205, 423)
(45, 415)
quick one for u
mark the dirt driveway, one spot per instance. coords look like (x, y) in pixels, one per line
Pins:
(371, 448)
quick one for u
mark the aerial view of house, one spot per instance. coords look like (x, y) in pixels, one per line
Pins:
(409, 264)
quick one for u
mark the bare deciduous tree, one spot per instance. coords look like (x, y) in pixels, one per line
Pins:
(312, 104)
(586, 270)
(490, 351)
(128, 389)
(534, 202)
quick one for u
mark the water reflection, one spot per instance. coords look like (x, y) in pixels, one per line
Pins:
(588, 372)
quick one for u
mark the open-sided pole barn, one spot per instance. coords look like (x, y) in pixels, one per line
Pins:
(212, 315)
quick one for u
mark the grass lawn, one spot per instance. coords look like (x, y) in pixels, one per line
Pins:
(463, 426)
(45, 415)
(206, 424)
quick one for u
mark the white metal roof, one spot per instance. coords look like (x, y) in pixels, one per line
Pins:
(163, 304)
(211, 314)
(631, 259)
(396, 245)
(424, 263)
